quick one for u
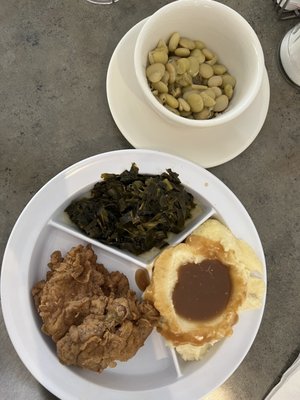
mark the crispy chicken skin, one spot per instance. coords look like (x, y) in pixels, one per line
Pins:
(91, 314)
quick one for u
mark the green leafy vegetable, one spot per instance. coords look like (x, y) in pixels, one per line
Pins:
(133, 211)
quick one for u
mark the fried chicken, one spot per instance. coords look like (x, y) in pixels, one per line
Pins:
(91, 314)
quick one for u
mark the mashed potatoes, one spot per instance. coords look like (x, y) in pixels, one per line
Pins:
(200, 286)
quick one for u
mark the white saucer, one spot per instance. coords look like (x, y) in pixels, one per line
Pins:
(145, 129)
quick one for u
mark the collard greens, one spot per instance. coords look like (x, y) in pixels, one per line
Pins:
(133, 211)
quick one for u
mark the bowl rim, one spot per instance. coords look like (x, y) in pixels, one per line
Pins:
(224, 117)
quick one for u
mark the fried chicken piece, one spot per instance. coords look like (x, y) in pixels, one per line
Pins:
(91, 314)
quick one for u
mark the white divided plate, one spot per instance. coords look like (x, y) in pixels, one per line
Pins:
(145, 129)
(155, 372)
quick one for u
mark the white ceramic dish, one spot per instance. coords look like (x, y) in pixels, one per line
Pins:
(144, 128)
(225, 32)
(155, 372)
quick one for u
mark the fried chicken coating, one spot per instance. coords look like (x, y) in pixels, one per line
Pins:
(91, 314)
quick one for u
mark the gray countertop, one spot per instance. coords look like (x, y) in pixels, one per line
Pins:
(54, 112)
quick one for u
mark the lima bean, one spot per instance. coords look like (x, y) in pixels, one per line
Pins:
(162, 44)
(193, 67)
(219, 69)
(199, 87)
(209, 55)
(173, 42)
(196, 102)
(199, 55)
(182, 52)
(171, 101)
(182, 65)
(188, 92)
(187, 43)
(204, 114)
(211, 93)
(183, 105)
(212, 61)
(217, 91)
(199, 44)
(221, 103)
(173, 110)
(160, 86)
(158, 56)
(228, 90)
(172, 72)
(215, 80)
(206, 71)
(228, 79)
(166, 77)
(188, 79)
(207, 100)
(155, 72)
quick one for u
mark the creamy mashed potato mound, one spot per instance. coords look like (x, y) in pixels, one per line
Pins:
(212, 241)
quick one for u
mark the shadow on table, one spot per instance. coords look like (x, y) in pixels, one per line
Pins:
(45, 394)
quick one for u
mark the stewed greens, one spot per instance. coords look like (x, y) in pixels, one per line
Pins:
(133, 211)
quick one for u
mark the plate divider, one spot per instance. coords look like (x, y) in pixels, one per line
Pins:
(96, 243)
(176, 363)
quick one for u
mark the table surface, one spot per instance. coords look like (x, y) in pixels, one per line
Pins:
(54, 112)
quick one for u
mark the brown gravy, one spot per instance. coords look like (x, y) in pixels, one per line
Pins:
(142, 278)
(202, 290)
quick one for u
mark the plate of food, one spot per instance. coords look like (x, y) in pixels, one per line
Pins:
(133, 274)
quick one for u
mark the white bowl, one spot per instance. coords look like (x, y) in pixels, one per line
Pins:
(225, 32)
